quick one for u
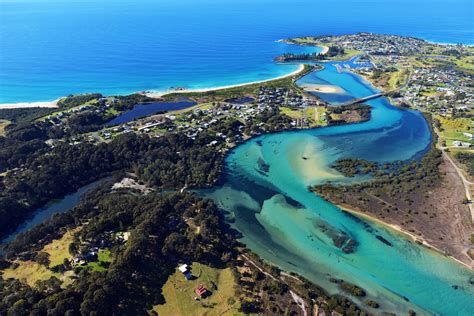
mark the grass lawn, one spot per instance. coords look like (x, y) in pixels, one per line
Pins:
(293, 113)
(101, 264)
(179, 293)
(3, 124)
(453, 129)
(58, 250)
(465, 62)
(29, 272)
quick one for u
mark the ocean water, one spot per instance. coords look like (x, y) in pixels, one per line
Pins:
(52, 48)
(287, 225)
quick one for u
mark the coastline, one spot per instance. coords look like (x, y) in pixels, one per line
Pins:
(358, 213)
(158, 94)
(203, 90)
(26, 105)
(325, 50)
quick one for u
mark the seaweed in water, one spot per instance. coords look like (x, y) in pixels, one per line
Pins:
(385, 241)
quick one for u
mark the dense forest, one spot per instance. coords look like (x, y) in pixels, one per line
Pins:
(171, 161)
(333, 51)
(160, 238)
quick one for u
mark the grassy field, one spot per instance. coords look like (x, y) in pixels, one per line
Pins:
(58, 250)
(348, 54)
(453, 129)
(29, 272)
(293, 113)
(179, 293)
(310, 115)
(3, 124)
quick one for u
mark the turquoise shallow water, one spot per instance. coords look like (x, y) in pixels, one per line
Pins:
(287, 225)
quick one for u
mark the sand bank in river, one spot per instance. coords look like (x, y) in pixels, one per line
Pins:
(322, 88)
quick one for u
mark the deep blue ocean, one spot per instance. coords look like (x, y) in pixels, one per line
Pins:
(50, 49)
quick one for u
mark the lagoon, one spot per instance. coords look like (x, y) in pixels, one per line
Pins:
(289, 226)
(147, 109)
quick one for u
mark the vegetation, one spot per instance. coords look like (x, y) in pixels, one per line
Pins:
(172, 161)
(3, 125)
(345, 114)
(467, 159)
(333, 51)
(24, 115)
(240, 91)
(351, 167)
(76, 100)
(179, 293)
(131, 284)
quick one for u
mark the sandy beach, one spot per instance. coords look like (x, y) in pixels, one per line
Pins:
(325, 50)
(322, 88)
(159, 94)
(24, 105)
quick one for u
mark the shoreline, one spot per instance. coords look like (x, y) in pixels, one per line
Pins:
(28, 105)
(325, 50)
(351, 210)
(157, 94)
(160, 94)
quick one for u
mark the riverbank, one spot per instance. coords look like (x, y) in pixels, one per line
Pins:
(298, 71)
(418, 239)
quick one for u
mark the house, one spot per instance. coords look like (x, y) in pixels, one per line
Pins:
(458, 143)
(201, 291)
(188, 275)
(183, 268)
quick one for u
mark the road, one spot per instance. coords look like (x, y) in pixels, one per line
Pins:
(467, 184)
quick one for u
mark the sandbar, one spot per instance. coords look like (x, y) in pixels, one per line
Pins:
(322, 88)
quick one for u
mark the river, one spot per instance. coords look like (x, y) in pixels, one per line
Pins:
(291, 227)
(46, 212)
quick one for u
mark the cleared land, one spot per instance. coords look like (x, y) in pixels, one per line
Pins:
(29, 272)
(3, 124)
(179, 293)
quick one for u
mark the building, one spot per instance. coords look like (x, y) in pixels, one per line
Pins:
(184, 268)
(201, 291)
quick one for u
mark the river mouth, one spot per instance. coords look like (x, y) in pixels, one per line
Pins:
(289, 226)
